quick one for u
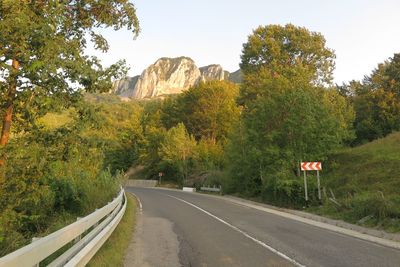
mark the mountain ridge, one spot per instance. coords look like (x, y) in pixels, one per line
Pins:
(169, 76)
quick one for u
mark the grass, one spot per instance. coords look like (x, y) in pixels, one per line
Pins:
(113, 251)
(370, 167)
(366, 182)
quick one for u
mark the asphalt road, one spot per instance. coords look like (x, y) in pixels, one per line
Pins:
(189, 229)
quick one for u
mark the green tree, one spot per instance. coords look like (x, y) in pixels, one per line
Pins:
(288, 115)
(284, 128)
(377, 101)
(209, 155)
(178, 150)
(209, 109)
(154, 135)
(284, 51)
(42, 60)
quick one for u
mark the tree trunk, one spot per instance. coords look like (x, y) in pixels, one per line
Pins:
(9, 106)
(7, 119)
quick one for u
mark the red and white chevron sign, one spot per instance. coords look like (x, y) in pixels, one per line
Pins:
(311, 166)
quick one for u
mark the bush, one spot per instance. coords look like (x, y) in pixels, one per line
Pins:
(66, 195)
(375, 204)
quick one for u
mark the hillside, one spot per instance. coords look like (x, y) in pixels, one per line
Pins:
(371, 167)
(366, 183)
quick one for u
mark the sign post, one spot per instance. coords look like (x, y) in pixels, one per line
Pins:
(160, 174)
(311, 166)
(305, 186)
(319, 186)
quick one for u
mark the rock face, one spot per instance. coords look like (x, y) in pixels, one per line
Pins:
(212, 73)
(236, 77)
(124, 87)
(167, 76)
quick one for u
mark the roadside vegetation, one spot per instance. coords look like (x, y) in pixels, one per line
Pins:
(56, 168)
(366, 185)
(54, 174)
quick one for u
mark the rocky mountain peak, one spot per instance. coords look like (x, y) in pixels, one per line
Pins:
(167, 76)
(213, 72)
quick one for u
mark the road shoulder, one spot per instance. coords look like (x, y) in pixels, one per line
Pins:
(154, 243)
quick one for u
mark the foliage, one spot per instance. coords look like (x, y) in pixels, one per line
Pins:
(287, 116)
(177, 151)
(209, 155)
(208, 110)
(280, 131)
(155, 134)
(42, 60)
(288, 51)
(67, 171)
(118, 130)
(377, 101)
(364, 180)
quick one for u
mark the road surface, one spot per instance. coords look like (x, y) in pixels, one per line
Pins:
(189, 229)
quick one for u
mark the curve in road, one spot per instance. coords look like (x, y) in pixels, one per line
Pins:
(187, 229)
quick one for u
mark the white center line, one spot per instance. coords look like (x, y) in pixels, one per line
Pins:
(243, 233)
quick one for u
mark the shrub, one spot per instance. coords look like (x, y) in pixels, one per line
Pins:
(375, 204)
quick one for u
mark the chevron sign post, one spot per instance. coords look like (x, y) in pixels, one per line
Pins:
(311, 166)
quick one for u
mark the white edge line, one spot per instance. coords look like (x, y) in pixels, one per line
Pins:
(138, 199)
(334, 228)
(320, 224)
(243, 233)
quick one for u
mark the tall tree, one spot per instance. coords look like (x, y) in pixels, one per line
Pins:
(288, 51)
(377, 101)
(178, 150)
(288, 112)
(42, 59)
(209, 110)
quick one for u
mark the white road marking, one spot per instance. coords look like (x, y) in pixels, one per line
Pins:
(243, 233)
(140, 202)
(377, 241)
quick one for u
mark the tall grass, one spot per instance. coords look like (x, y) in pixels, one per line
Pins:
(366, 182)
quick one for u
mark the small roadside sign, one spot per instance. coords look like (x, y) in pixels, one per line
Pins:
(311, 166)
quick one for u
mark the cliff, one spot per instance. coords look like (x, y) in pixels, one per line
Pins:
(167, 76)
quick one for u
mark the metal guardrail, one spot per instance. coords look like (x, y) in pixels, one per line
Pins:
(141, 183)
(211, 189)
(103, 222)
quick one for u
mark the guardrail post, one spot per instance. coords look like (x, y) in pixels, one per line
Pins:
(78, 238)
(95, 225)
(33, 240)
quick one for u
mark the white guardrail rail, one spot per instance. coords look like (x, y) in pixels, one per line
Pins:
(102, 223)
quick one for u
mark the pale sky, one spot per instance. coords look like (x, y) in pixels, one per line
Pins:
(362, 33)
